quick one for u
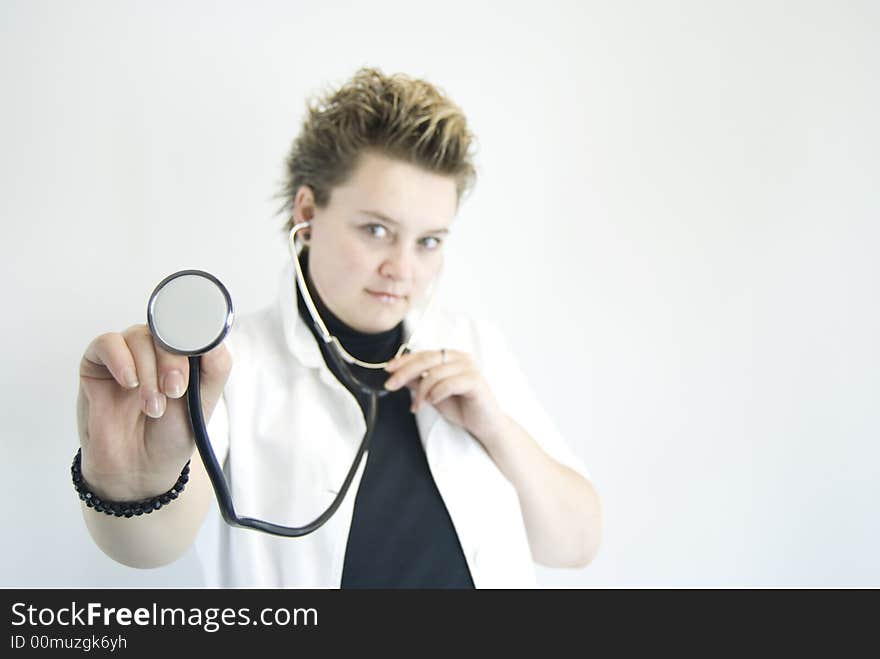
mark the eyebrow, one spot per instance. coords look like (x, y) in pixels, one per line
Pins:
(385, 218)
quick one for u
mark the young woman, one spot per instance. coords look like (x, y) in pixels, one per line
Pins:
(466, 482)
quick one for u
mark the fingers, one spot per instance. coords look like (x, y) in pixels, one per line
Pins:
(161, 374)
(426, 387)
(134, 360)
(108, 356)
(143, 351)
(410, 366)
(455, 385)
(172, 371)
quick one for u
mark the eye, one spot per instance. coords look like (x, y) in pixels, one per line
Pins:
(431, 242)
(376, 230)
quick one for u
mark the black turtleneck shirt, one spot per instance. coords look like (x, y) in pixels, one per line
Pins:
(401, 534)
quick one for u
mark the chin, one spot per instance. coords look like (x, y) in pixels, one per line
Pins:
(384, 327)
(381, 324)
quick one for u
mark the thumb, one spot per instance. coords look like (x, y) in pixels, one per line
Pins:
(213, 373)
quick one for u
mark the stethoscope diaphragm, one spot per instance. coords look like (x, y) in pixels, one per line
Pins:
(190, 312)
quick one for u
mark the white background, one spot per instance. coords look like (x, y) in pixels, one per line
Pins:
(676, 225)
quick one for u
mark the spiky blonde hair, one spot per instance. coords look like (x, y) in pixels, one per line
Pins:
(399, 116)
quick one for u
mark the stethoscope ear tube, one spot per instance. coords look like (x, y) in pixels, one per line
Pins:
(218, 479)
(345, 371)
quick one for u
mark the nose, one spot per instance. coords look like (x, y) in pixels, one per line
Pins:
(397, 265)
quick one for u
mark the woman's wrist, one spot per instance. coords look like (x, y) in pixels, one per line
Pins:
(123, 506)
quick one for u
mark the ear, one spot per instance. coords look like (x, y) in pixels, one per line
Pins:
(304, 208)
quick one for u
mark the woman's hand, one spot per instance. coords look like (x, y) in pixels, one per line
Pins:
(454, 387)
(133, 416)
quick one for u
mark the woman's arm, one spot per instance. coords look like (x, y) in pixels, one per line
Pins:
(561, 509)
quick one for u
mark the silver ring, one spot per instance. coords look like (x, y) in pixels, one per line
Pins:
(442, 355)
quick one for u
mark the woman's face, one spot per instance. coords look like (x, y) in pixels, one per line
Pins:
(378, 244)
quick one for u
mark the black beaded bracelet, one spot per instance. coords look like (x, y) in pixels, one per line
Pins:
(124, 508)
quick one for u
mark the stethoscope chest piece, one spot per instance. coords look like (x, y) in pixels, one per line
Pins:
(190, 312)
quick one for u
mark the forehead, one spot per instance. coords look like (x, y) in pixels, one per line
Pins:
(409, 195)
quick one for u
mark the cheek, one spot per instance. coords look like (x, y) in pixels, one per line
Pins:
(355, 267)
(426, 275)
(336, 265)
(359, 267)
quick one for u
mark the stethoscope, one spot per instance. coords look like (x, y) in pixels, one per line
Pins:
(190, 313)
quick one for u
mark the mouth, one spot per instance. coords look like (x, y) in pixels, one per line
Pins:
(385, 298)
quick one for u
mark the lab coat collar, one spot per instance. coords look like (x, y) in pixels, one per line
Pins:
(298, 337)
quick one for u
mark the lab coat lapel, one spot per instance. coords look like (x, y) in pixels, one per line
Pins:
(298, 337)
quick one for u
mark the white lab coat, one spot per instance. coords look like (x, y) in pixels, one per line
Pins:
(286, 432)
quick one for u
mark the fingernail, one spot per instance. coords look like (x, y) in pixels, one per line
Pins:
(156, 405)
(390, 384)
(130, 378)
(173, 384)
